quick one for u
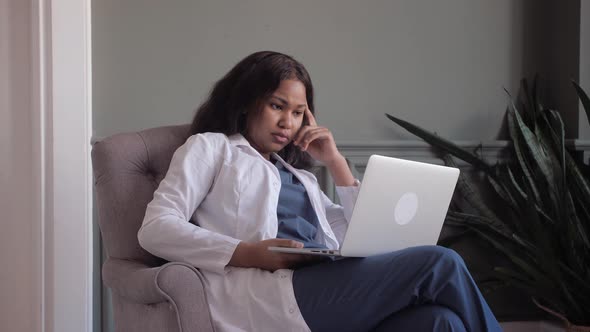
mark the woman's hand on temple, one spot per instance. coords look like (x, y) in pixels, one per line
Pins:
(317, 141)
(257, 255)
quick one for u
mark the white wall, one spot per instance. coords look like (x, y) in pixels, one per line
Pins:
(441, 64)
(18, 301)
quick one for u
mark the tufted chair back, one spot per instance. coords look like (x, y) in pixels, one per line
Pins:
(149, 294)
(127, 170)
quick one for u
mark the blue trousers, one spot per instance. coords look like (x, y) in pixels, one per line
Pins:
(424, 288)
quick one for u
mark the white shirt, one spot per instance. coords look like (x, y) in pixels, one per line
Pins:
(231, 192)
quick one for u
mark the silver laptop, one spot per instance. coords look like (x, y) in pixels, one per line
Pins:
(401, 204)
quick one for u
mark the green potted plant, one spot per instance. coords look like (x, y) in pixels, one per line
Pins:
(544, 195)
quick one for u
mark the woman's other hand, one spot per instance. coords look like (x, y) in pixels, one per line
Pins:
(257, 255)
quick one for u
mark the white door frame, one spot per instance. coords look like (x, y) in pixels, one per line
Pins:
(61, 130)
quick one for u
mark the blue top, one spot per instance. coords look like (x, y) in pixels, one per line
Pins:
(297, 219)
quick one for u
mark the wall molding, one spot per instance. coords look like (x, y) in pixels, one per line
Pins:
(358, 152)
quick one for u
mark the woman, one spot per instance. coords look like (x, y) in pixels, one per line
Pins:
(239, 185)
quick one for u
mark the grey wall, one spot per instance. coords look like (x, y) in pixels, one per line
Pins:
(441, 64)
(554, 47)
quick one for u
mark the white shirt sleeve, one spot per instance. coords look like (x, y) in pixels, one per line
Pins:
(166, 230)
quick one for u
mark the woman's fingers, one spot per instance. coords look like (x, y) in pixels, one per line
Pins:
(289, 243)
(303, 134)
(311, 135)
(310, 117)
(273, 261)
(312, 124)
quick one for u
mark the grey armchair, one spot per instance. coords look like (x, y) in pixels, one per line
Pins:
(149, 294)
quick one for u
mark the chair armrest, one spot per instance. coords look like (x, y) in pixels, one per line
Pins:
(132, 280)
(182, 285)
(177, 283)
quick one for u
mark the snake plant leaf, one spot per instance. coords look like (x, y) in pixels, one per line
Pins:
(518, 201)
(579, 231)
(553, 120)
(559, 143)
(582, 209)
(584, 99)
(523, 195)
(488, 286)
(545, 256)
(511, 185)
(455, 222)
(473, 196)
(529, 287)
(513, 274)
(525, 243)
(541, 160)
(573, 308)
(582, 206)
(515, 195)
(553, 124)
(544, 232)
(556, 183)
(576, 241)
(504, 194)
(515, 257)
(449, 240)
(477, 220)
(519, 151)
(578, 181)
(581, 283)
(442, 143)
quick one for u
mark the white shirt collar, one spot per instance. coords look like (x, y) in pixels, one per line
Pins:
(238, 139)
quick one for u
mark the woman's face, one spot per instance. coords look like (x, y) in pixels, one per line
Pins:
(280, 119)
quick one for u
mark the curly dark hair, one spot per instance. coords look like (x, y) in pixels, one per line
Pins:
(240, 93)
